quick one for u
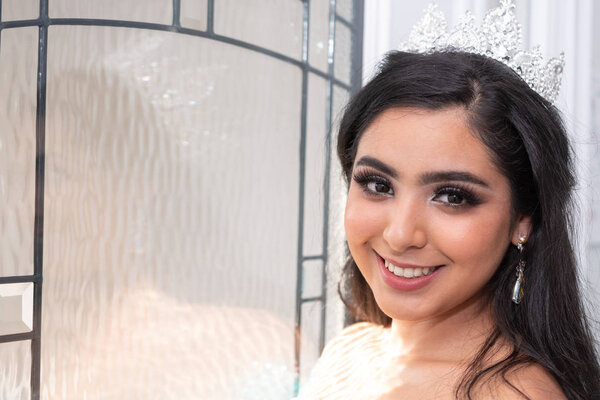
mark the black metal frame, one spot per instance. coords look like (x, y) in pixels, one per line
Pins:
(44, 21)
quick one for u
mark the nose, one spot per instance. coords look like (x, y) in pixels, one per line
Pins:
(405, 226)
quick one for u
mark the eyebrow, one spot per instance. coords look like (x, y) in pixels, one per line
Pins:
(444, 176)
(375, 163)
(428, 177)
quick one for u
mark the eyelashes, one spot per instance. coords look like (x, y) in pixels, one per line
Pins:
(373, 183)
(453, 195)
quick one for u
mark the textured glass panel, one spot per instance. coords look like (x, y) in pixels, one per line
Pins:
(316, 135)
(343, 49)
(14, 10)
(171, 217)
(336, 239)
(193, 14)
(15, 370)
(313, 278)
(274, 24)
(16, 308)
(345, 9)
(319, 34)
(157, 11)
(311, 328)
(18, 68)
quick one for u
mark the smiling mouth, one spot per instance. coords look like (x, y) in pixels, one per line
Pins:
(412, 272)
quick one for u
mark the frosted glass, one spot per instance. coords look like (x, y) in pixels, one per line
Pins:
(319, 34)
(340, 98)
(18, 69)
(192, 14)
(343, 51)
(157, 11)
(274, 24)
(313, 278)
(345, 9)
(336, 239)
(309, 348)
(15, 370)
(14, 10)
(171, 217)
(316, 135)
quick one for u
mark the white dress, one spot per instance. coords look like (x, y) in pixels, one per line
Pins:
(349, 366)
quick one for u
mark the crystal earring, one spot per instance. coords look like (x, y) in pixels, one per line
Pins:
(517, 294)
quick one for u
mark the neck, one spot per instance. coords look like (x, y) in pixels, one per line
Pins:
(451, 337)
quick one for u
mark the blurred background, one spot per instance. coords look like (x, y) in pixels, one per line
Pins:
(167, 171)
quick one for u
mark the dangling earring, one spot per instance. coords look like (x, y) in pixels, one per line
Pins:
(517, 294)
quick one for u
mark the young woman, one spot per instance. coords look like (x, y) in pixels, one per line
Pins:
(458, 223)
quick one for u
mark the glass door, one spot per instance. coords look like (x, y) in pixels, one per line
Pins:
(171, 205)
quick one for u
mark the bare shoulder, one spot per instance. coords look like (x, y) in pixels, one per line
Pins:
(534, 381)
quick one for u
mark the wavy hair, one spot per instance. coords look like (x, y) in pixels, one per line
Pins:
(526, 139)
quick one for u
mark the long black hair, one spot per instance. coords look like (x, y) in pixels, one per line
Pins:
(525, 137)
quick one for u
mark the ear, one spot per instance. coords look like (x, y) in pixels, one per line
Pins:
(522, 226)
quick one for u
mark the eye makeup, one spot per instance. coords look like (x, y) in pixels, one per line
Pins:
(451, 194)
(455, 195)
(372, 182)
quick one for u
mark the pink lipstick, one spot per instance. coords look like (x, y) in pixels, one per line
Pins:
(400, 282)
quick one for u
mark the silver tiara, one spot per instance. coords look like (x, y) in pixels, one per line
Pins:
(499, 37)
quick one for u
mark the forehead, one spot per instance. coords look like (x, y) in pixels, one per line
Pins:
(417, 139)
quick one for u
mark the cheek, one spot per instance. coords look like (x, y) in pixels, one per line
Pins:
(362, 218)
(353, 218)
(479, 240)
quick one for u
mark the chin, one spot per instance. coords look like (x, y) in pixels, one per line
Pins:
(401, 308)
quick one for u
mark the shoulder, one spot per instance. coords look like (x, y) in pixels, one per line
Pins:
(534, 381)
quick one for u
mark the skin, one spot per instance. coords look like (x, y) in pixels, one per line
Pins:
(410, 207)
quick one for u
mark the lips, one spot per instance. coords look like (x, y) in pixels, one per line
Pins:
(408, 272)
(406, 277)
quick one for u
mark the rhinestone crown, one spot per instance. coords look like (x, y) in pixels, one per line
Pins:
(499, 37)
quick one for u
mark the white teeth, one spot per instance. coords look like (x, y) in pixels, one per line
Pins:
(408, 272)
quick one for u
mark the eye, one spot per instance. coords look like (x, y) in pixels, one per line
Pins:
(454, 197)
(373, 184)
(379, 187)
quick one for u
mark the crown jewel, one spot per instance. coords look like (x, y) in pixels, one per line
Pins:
(499, 37)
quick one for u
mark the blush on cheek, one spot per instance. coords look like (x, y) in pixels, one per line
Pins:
(477, 244)
(352, 221)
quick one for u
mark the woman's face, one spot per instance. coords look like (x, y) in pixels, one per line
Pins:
(428, 218)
